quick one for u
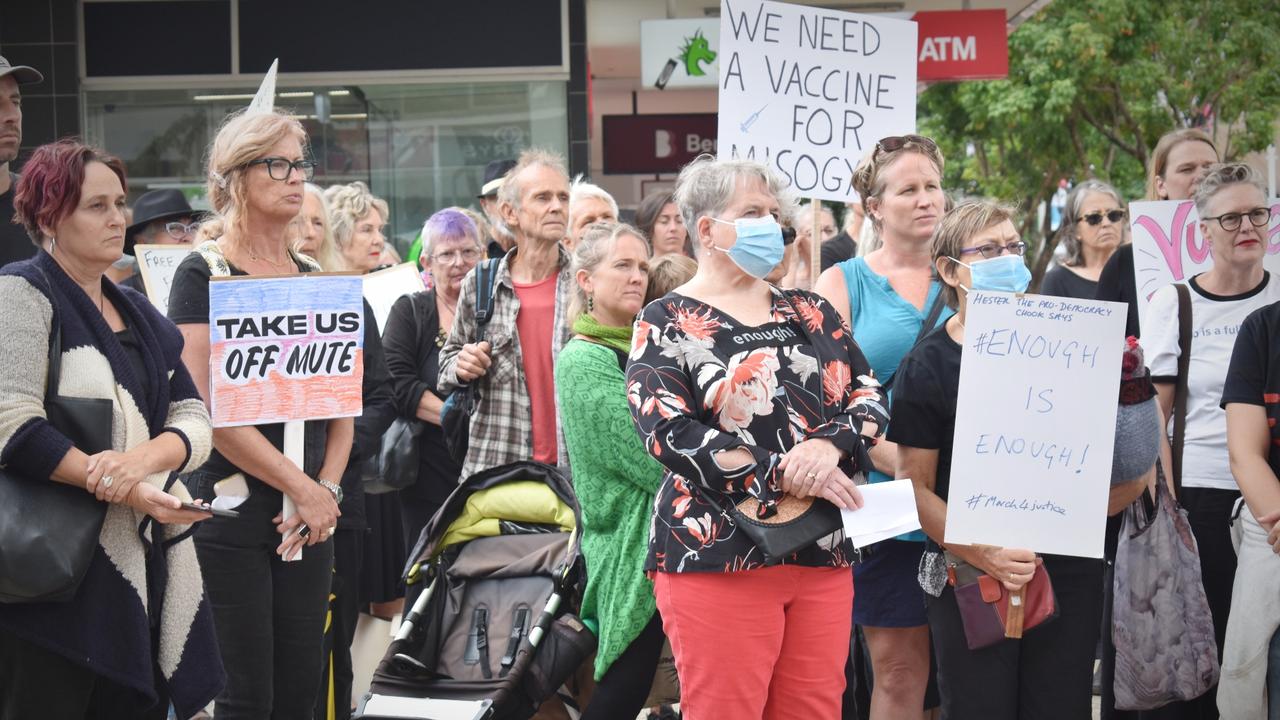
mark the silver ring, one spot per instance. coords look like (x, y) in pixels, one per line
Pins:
(812, 476)
(107, 480)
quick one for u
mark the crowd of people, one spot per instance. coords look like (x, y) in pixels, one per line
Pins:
(686, 376)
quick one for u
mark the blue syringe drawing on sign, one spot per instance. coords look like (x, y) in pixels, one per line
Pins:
(751, 120)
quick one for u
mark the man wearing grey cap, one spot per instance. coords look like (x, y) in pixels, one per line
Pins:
(14, 243)
(502, 238)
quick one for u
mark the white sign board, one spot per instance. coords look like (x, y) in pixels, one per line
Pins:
(383, 288)
(679, 53)
(809, 91)
(1168, 246)
(158, 263)
(1035, 423)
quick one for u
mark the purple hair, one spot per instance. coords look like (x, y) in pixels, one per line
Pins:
(448, 224)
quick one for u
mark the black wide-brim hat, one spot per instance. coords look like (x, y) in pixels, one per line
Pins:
(494, 173)
(156, 205)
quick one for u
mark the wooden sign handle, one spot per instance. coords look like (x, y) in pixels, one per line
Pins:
(1017, 604)
(815, 243)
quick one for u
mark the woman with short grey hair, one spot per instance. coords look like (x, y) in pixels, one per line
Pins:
(1093, 226)
(1234, 214)
(756, 397)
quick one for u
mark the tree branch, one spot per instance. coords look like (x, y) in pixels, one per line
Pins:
(1089, 118)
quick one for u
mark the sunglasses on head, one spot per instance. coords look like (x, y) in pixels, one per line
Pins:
(897, 142)
(1095, 218)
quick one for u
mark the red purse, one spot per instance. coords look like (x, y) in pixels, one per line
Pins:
(986, 604)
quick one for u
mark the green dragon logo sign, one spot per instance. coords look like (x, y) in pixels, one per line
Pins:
(694, 53)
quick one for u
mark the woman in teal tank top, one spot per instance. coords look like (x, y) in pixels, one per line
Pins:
(885, 297)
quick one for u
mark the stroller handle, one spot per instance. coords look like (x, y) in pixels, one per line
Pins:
(414, 616)
(544, 620)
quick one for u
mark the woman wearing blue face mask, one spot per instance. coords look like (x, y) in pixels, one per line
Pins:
(1047, 675)
(756, 397)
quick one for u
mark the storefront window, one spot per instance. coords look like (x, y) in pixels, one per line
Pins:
(421, 147)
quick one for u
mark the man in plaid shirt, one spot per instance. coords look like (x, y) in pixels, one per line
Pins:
(516, 417)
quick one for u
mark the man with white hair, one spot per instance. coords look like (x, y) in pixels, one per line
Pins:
(588, 204)
(14, 243)
(516, 416)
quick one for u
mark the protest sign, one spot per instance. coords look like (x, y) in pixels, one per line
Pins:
(1035, 423)
(285, 348)
(1168, 246)
(157, 264)
(384, 287)
(809, 91)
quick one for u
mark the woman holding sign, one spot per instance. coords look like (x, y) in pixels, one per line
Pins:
(1047, 674)
(890, 299)
(269, 613)
(751, 397)
(1234, 215)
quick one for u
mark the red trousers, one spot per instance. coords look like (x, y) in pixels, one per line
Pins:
(768, 643)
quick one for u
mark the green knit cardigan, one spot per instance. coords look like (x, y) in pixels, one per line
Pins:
(616, 480)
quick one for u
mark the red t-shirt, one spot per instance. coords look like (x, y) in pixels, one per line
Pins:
(535, 324)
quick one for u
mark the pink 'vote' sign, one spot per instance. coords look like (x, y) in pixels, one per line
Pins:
(1169, 247)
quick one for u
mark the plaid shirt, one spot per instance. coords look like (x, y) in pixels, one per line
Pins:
(502, 428)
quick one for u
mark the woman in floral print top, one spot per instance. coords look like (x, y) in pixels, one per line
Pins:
(743, 390)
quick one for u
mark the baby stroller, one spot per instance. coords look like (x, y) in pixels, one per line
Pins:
(494, 633)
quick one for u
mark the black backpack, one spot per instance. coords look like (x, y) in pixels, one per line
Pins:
(455, 416)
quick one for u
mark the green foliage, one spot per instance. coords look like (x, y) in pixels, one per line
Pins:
(1094, 83)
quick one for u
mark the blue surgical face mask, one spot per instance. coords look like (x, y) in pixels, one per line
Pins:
(1005, 273)
(759, 247)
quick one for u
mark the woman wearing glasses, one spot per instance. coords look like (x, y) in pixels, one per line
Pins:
(416, 330)
(890, 298)
(1234, 214)
(269, 614)
(1093, 227)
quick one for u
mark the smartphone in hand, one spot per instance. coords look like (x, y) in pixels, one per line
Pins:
(217, 512)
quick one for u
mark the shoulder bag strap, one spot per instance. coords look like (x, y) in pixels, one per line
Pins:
(54, 374)
(926, 327)
(1180, 390)
(486, 274)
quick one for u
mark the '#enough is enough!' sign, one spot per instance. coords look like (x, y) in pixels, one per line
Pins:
(285, 348)
(1035, 423)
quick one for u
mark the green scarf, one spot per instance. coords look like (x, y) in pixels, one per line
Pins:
(618, 338)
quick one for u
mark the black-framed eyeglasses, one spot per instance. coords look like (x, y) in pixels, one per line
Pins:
(281, 168)
(1095, 218)
(994, 250)
(178, 230)
(897, 142)
(1258, 217)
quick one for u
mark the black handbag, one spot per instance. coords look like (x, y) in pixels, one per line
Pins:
(49, 530)
(798, 523)
(455, 416)
(395, 465)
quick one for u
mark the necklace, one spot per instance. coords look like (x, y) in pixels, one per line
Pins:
(451, 307)
(281, 264)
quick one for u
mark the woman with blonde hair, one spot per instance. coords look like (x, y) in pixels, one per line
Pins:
(357, 218)
(1178, 163)
(269, 613)
(890, 298)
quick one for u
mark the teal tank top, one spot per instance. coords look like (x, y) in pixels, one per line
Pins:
(885, 327)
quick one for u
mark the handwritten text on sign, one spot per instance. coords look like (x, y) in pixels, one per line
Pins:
(157, 264)
(809, 91)
(289, 348)
(1035, 423)
(1168, 246)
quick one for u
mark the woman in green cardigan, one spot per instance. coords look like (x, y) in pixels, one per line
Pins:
(613, 475)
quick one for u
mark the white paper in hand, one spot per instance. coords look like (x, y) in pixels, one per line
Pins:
(386, 706)
(888, 510)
